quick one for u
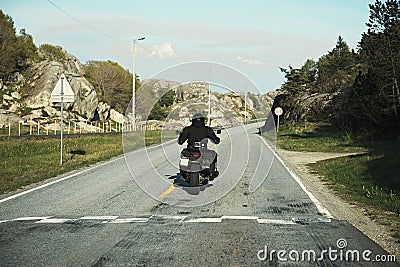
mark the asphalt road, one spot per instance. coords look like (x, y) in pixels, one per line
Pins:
(256, 213)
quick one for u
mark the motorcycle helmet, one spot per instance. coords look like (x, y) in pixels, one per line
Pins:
(198, 117)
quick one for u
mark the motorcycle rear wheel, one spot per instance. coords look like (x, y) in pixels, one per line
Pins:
(194, 179)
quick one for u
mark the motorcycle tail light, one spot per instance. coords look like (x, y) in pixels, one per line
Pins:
(196, 155)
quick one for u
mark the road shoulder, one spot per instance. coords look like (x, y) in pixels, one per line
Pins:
(339, 208)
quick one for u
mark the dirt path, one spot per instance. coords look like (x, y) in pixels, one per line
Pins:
(339, 208)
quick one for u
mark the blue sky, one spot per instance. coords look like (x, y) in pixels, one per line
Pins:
(254, 37)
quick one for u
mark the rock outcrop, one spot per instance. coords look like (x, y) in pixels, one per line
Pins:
(28, 97)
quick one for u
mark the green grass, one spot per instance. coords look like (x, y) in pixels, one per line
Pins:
(370, 178)
(311, 138)
(28, 161)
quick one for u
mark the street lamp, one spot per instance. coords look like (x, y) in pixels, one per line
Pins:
(134, 81)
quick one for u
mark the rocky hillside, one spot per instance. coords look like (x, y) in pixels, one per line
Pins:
(25, 98)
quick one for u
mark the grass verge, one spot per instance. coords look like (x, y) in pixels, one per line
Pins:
(313, 138)
(28, 161)
(371, 179)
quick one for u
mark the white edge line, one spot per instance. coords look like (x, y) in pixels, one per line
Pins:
(318, 205)
(56, 181)
(78, 173)
(4, 221)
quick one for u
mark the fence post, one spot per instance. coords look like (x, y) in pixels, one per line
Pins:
(47, 129)
(55, 127)
(69, 127)
(38, 128)
(30, 126)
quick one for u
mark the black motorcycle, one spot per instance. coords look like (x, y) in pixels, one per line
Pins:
(197, 164)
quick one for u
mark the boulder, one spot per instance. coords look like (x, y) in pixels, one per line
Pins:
(7, 97)
(116, 116)
(103, 111)
(14, 107)
(16, 95)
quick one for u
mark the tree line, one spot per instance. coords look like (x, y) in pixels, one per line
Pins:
(365, 82)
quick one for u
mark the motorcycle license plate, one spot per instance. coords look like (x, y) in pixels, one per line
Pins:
(184, 162)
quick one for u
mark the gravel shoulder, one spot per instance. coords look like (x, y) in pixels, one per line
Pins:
(340, 209)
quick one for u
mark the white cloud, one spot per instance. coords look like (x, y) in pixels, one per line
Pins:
(251, 61)
(161, 51)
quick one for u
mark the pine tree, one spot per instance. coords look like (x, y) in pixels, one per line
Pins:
(337, 69)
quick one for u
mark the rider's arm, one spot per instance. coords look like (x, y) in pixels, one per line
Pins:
(183, 136)
(213, 137)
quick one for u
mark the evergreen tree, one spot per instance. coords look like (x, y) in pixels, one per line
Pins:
(15, 51)
(337, 69)
(380, 51)
(301, 79)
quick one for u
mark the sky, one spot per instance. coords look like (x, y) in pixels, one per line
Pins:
(254, 37)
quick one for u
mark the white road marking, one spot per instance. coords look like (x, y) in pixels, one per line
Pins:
(128, 220)
(203, 220)
(168, 217)
(179, 219)
(239, 218)
(321, 209)
(55, 220)
(31, 218)
(274, 221)
(99, 218)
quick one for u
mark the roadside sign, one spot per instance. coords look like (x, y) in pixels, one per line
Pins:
(64, 89)
(278, 111)
(184, 110)
(62, 92)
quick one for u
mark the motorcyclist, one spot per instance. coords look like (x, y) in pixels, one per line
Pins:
(197, 132)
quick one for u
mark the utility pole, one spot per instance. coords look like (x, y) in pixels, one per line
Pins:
(134, 81)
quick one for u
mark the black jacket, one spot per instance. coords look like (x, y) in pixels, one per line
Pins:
(197, 132)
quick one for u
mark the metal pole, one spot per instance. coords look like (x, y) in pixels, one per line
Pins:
(134, 81)
(209, 104)
(134, 84)
(277, 126)
(61, 121)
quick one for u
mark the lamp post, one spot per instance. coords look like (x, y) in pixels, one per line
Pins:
(134, 81)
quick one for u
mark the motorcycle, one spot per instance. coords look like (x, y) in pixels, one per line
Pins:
(197, 165)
